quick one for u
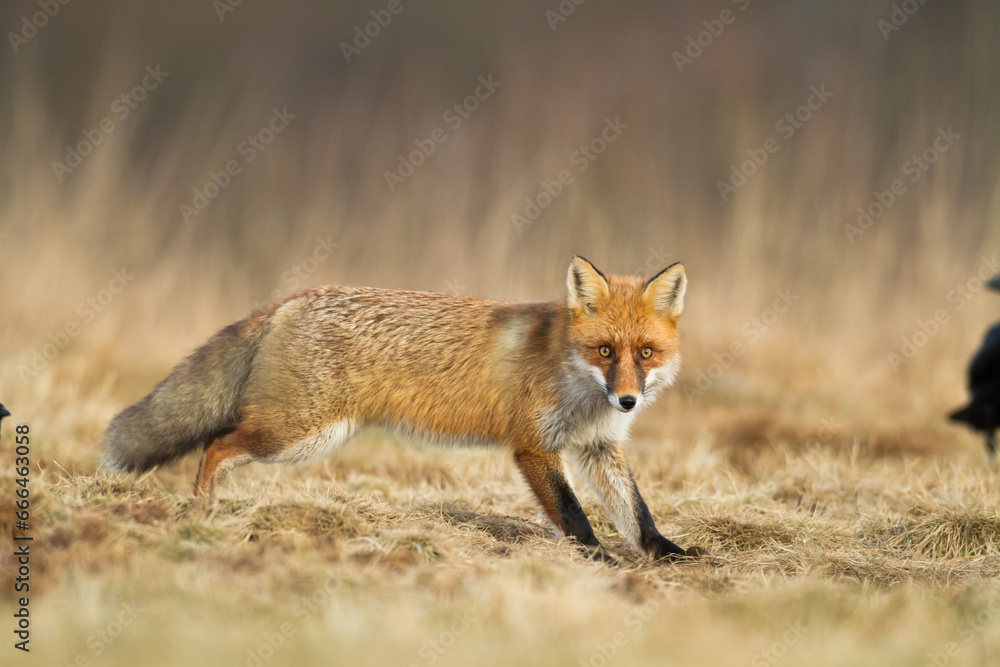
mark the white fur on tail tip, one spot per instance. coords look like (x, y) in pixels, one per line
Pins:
(112, 462)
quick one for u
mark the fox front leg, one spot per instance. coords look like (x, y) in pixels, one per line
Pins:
(544, 474)
(604, 467)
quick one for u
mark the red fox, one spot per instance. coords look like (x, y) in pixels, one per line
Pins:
(553, 381)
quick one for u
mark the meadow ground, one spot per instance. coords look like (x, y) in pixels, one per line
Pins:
(830, 545)
(830, 317)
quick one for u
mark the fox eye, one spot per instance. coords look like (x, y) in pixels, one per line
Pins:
(646, 352)
(604, 351)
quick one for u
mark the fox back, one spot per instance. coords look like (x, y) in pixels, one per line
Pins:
(446, 367)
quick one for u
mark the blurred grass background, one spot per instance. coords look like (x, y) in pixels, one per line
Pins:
(819, 377)
(651, 198)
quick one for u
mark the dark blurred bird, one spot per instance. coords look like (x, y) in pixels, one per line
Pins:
(983, 411)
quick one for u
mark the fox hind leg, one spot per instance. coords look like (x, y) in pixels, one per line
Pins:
(223, 454)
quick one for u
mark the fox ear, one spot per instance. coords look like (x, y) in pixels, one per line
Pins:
(588, 288)
(665, 290)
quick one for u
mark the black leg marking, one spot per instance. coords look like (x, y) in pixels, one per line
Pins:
(572, 514)
(649, 537)
(575, 521)
(544, 474)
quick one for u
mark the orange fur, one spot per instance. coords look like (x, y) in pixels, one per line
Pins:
(296, 380)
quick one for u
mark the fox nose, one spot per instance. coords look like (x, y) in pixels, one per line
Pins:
(627, 402)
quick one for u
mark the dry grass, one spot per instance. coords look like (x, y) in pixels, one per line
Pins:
(848, 523)
(877, 560)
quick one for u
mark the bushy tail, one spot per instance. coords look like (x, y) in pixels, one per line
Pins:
(200, 399)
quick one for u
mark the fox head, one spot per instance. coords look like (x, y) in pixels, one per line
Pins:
(624, 329)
